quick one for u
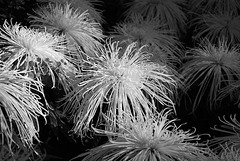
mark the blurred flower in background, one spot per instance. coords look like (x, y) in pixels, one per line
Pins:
(210, 68)
(212, 6)
(219, 25)
(170, 12)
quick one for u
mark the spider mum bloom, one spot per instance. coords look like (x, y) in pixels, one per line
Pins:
(167, 11)
(39, 52)
(155, 138)
(204, 6)
(218, 26)
(214, 66)
(124, 80)
(80, 30)
(20, 107)
(231, 140)
(151, 32)
(230, 154)
(84, 5)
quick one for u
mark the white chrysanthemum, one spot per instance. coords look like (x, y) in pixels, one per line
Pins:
(169, 11)
(79, 29)
(214, 66)
(155, 138)
(20, 107)
(161, 42)
(124, 80)
(40, 53)
(218, 26)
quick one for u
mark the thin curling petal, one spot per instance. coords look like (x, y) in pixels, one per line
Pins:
(218, 26)
(40, 53)
(206, 6)
(154, 138)
(79, 29)
(231, 129)
(170, 11)
(84, 5)
(124, 80)
(230, 154)
(214, 66)
(20, 107)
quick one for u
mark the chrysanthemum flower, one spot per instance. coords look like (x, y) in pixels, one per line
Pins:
(151, 32)
(79, 28)
(155, 138)
(84, 5)
(124, 80)
(40, 53)
(20, 107)
(218, 26)
(230, 154)
(231, 130)
(206, 6)
(169, 11)
(211, 68)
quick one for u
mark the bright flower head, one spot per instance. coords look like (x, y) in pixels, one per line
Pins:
(155, 138)
(39, 53)
(123, 80)
(79, 28)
